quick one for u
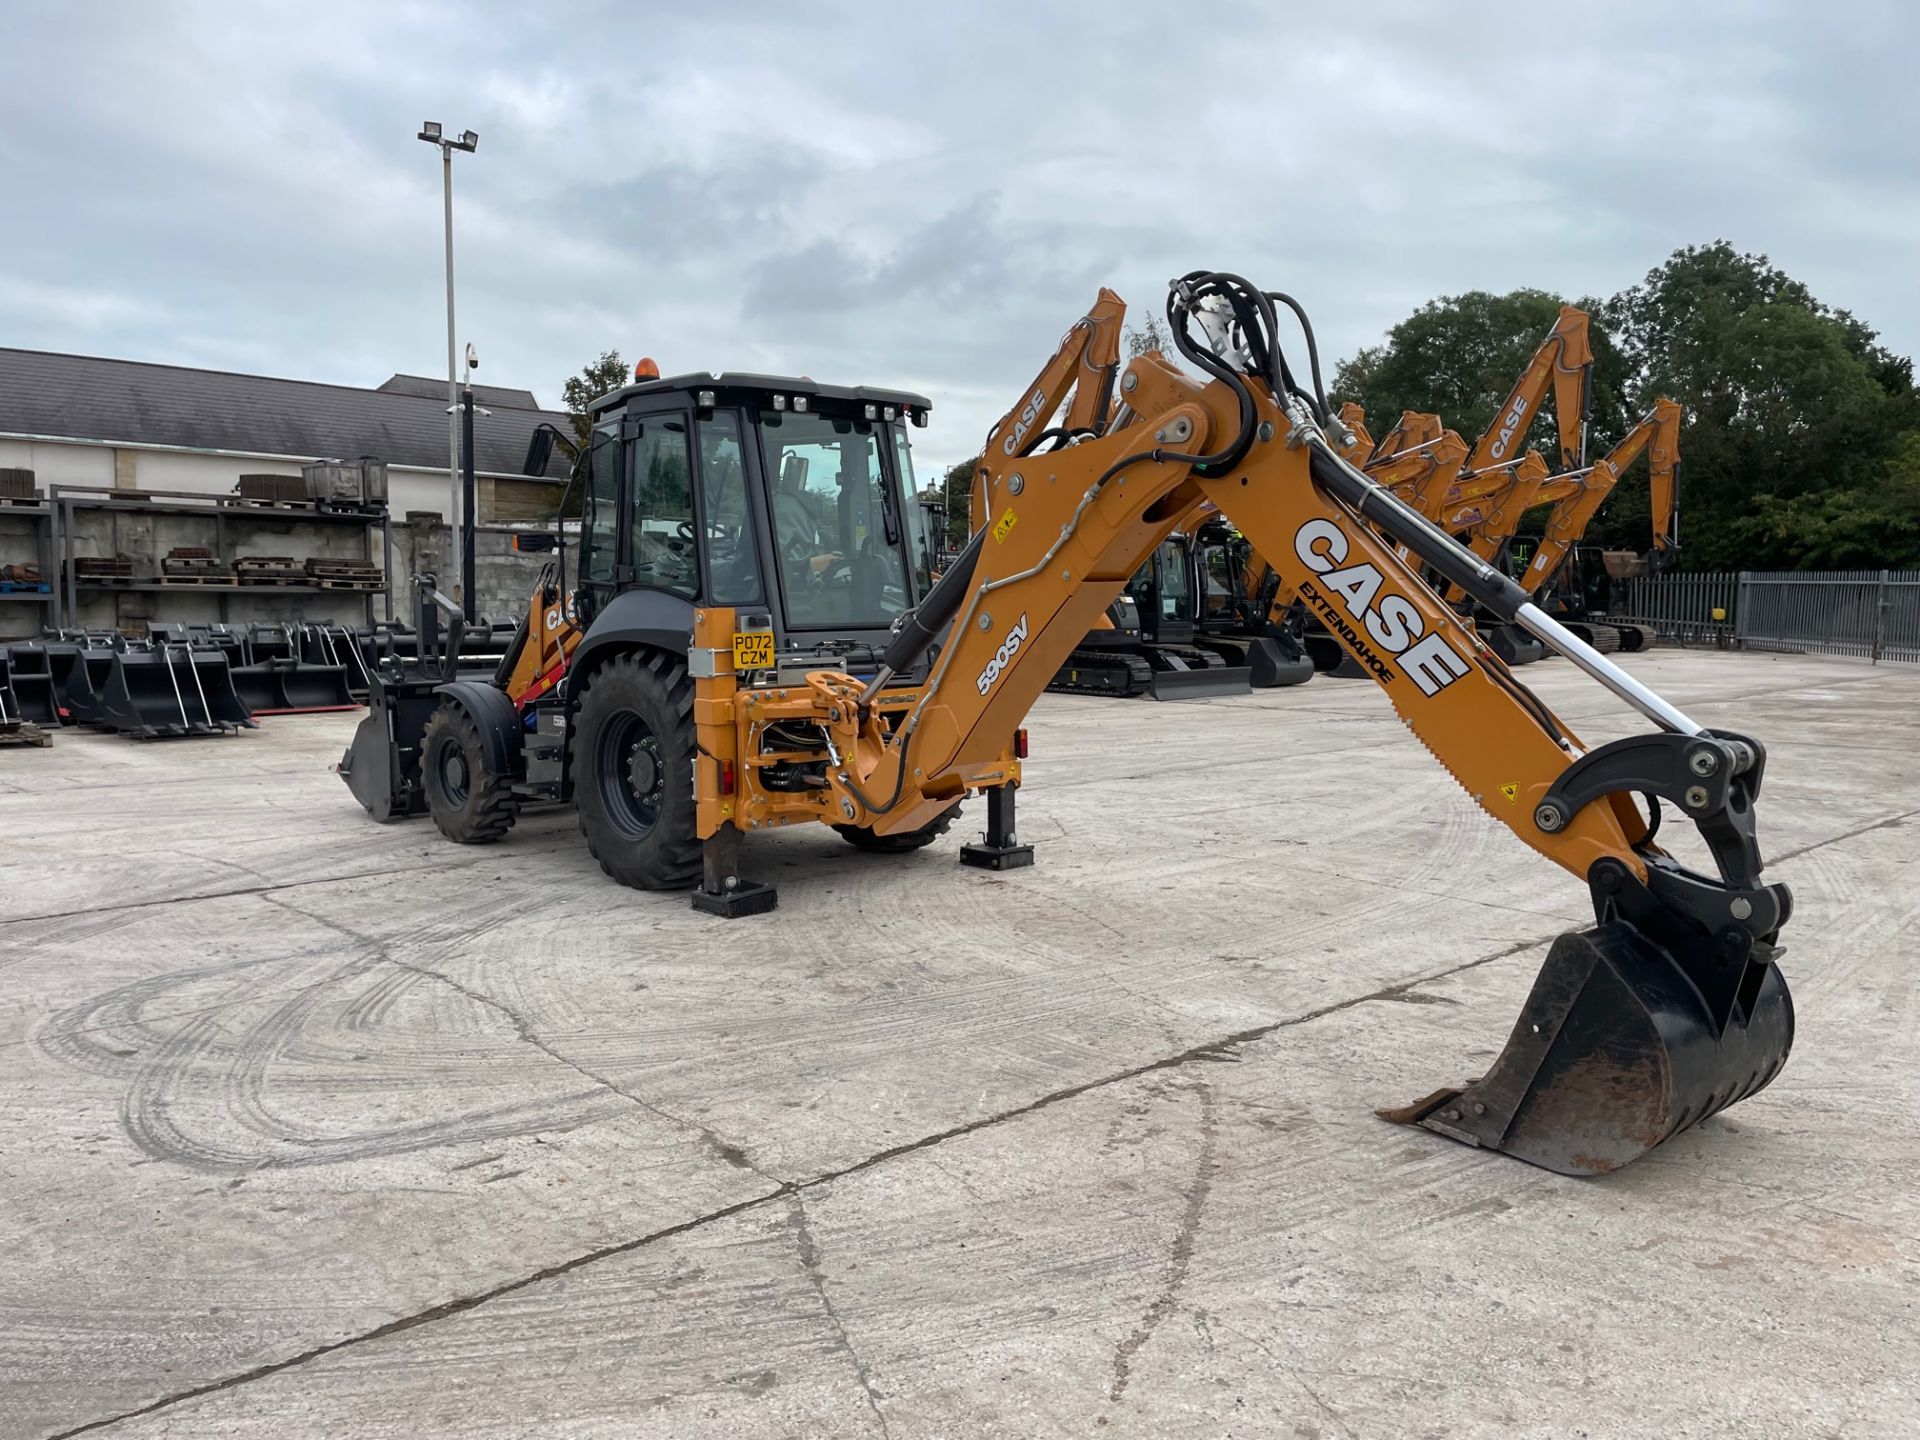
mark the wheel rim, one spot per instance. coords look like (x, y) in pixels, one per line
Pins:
(454, 776)
(632, 774)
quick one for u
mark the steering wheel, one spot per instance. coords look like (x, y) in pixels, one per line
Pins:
(684, 529)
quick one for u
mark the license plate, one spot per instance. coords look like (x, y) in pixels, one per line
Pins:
(753, 649)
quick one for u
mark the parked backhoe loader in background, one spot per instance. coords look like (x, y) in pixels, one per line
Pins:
(760, 653)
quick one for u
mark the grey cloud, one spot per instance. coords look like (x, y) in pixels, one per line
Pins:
(924, 196)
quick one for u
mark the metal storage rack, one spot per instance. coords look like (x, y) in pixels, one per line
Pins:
(39, 514)
(67, 501)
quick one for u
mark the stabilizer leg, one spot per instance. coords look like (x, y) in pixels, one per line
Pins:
(1002, 849)
(722, 892)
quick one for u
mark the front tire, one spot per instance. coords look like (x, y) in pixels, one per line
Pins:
(469, 803)
(633, 772)
(862, 838)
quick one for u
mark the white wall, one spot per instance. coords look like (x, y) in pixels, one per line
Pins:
(60, 464)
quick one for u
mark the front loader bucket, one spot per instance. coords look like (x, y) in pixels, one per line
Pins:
(1615, 1051)
(382, 765)
(78, 672)
(1215, 680)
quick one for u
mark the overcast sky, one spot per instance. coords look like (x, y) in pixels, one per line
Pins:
(916, 195)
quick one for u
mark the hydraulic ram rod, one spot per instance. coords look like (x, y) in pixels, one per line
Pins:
(1460, 566)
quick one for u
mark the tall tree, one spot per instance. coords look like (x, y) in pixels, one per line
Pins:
(595, 379)
(1797, 448)
(958, 489)
(1457, 357)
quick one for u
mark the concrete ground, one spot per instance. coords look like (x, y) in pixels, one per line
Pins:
(317, 1128)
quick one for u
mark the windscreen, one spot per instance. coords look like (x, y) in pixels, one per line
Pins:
(832, 522)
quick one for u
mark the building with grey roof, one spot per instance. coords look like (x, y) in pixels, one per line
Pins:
(87, 420)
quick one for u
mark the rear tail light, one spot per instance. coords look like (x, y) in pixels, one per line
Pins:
(726, 777)
(1020, 743)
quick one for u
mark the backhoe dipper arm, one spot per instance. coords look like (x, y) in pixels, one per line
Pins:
(1667, 1010)
(1658, 433)
(1084, 364)
(1564, 359)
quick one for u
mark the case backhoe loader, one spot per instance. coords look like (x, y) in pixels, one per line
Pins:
(703, 725)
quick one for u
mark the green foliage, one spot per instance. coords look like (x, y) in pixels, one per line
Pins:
(1796, 417)
(1149, 334)
(597, 378)
(958, 488)
(1801, 445)
(1458, 358)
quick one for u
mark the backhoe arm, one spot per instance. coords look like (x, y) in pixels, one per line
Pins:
(1079, 375)
(1565, 360)
(1658, 433)
(1665, 1011)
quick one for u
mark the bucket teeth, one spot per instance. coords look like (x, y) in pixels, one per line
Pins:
(1614, 1053)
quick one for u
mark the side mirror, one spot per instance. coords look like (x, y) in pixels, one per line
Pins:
(539, 451)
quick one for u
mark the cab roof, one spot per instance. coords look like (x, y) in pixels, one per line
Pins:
(757, 389)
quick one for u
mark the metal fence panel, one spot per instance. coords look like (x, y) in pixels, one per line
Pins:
(1681, 608)
(1874, 614)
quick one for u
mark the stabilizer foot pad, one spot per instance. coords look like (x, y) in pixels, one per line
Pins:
(996, 857)
(749, 897)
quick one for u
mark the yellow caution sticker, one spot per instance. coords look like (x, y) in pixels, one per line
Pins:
(1512, 792)
(1004, 528)
(753, 649)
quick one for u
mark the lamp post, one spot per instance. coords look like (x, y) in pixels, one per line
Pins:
(431, 132)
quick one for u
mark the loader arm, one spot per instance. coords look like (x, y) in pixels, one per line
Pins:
(1563, 360)
(1658, 433)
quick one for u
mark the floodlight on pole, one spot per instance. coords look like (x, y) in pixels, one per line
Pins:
(434, 133)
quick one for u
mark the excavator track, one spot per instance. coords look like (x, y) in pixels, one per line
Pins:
(1102, 672)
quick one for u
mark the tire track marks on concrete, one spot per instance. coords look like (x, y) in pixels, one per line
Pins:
(1225, 1048)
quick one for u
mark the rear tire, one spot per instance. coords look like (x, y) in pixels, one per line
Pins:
(469, 803)
(633, 772)
(862, 837)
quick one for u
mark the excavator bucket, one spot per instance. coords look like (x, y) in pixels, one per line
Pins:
(313, 687)
(31, 680)
(382, 765)
(1619, 1048)
(78, 673)
(171, 690)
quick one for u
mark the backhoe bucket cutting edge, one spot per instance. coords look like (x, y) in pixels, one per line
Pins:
(1614, 1053)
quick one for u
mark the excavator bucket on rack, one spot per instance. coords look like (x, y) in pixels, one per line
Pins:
(31, 679)
(170, 690)
(78, 673)
(1617, 1049)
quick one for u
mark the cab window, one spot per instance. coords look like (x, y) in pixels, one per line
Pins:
(603, 507)
(919, 531)
(660, 536)
(733, 562)
(831, 518)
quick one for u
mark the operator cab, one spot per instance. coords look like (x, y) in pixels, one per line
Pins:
(790, 501)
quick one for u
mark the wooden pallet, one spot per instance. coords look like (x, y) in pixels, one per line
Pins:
(25, 587)
(362, 587)
(189, 581)
(25, 732)
(269, 582)
(247, 502)
(23, 502)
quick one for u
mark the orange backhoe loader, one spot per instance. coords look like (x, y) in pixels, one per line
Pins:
(698, 734)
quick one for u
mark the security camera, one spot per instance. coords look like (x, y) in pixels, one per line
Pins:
(473, 358)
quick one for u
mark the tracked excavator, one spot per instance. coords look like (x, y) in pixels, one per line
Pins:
(707, 702)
